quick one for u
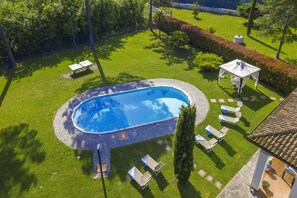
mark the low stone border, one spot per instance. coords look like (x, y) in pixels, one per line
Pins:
(74, 138)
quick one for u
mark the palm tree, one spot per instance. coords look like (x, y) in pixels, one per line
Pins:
(91, 38)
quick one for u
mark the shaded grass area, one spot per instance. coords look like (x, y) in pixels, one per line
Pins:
(228, 26)
(37, 164)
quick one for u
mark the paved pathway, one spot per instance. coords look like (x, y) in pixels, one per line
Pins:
(74, 138)
(239, 186)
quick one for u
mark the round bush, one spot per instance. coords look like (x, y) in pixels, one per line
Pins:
(207, 61)
(178, 39)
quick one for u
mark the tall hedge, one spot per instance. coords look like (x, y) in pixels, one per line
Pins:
(184, 143)
(37, 26)
(278, 74)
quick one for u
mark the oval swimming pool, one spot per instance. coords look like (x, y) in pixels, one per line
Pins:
(128, 109)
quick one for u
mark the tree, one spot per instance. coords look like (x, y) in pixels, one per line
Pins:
(184, 143)
(280, 22)
(6, 46)
(251, 18)
(91, 37)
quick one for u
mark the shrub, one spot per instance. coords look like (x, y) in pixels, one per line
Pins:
(195, 9)
(280, 75)
(265, 184)
(245, 9)
(178, 39)
(211, 29)
(207, 61)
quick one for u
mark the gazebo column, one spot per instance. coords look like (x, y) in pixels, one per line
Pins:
(259, 171)
(293, 193)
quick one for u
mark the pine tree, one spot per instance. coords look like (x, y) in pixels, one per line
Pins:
(184, 143)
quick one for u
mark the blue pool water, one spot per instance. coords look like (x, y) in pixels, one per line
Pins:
(128, 109)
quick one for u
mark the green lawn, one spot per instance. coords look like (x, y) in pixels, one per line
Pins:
(34, 163)
(227, 26)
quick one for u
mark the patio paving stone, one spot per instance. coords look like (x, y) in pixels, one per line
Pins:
(254, 97)
(281, 99)
(221, 100)
(160, 142)
(213, 100)
(209, 178)
(272, 98)
(245, 98)
(230, 100)
(263, 97)
(168, 148)
(201, 172)
(218, 185)
(194, 166)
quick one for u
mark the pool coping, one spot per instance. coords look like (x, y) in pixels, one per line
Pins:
(66, 132)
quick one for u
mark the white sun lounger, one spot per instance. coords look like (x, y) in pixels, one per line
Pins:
(75, 67)
(228, 109)
(218, 134)
(148, 161)
(141, 179)
(208, 145)
(230, 119)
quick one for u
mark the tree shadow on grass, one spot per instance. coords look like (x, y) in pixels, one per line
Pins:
(86, 158)
(187, 190)
(97, 82)
(125, 157)
(169, 54)
(210, 76)
(291, 61)
(265, 44)
(18, 148)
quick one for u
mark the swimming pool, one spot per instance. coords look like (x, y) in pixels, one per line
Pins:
(128, 109)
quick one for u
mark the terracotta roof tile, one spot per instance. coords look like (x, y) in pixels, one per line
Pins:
(277, 134)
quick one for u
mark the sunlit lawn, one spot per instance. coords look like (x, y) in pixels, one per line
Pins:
(34, 163)
(228, 26)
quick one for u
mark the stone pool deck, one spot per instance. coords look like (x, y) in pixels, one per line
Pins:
(66, 132)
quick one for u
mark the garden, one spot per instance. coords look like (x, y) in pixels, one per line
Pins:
(36, 164)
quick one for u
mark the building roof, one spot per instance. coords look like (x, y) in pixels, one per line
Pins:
(277, 134)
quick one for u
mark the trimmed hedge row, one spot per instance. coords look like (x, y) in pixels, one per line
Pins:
(278, 74)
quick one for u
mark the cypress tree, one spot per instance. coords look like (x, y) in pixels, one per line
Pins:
(251, 18)
(184, 143)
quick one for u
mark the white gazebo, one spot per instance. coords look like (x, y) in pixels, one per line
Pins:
(240, 73)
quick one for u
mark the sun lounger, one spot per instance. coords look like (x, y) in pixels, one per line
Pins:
(208, 145)
(83, 64)
(228, 109)
(218, 134)
(75, 67)
(148, 161)
(141, 179)
(230, 119)
(86, 64)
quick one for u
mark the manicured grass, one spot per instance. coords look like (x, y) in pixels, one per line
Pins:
(34, 163)
(228, 26)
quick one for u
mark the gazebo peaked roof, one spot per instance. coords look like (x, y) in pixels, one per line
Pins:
(240, 73)
(240, 68)
(277, 134)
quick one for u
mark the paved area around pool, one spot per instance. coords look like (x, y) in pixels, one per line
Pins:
(74, 138)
